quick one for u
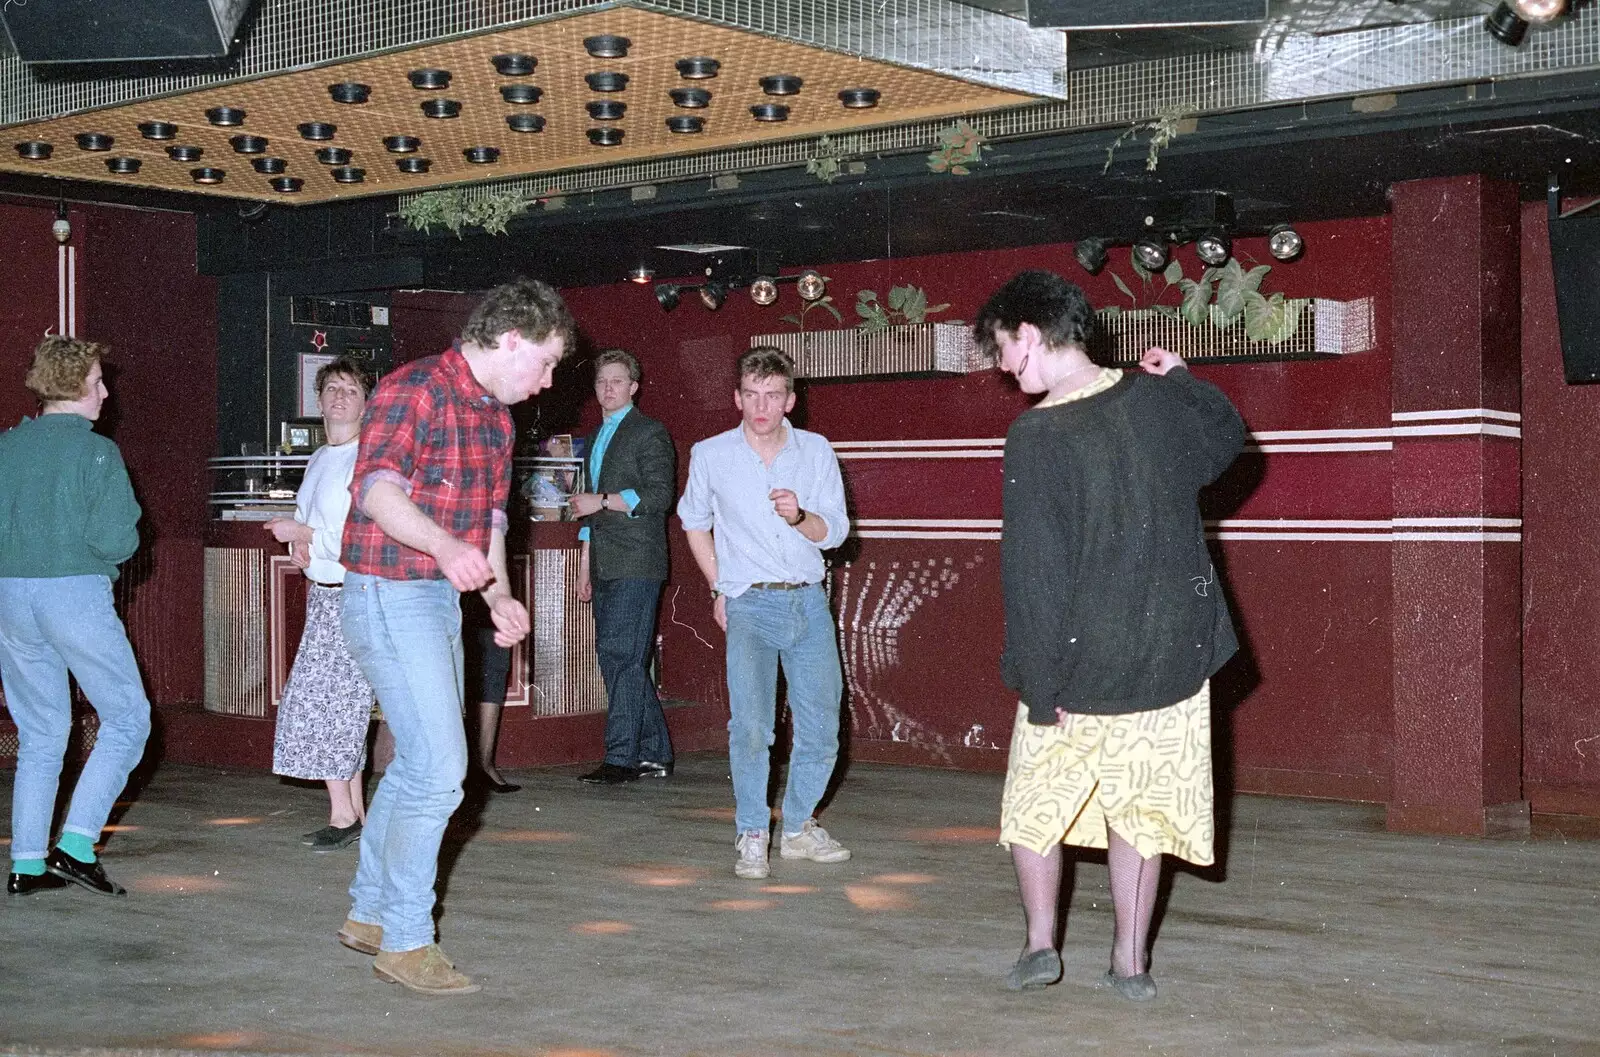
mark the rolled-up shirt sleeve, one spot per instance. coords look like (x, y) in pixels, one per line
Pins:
(694, 509)
(829, 503)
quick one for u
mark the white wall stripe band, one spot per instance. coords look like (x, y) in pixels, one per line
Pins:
(1465, 412)
(1373, 530)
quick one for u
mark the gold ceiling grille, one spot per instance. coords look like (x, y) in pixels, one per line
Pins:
(276, 106)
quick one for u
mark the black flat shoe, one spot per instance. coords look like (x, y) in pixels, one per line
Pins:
(1141, 987)
(483, 781)
(90, 875)
(610, 774)
(25, 884)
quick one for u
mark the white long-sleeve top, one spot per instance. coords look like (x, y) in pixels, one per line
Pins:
(323, 502)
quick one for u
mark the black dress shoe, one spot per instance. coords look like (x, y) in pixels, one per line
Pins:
(90, 875)
(610, 774)
(479, 780)
(652, 769)
(23, 884)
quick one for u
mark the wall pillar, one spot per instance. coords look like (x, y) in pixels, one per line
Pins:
(1456, 570)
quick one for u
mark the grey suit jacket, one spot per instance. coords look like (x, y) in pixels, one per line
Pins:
(641, 457)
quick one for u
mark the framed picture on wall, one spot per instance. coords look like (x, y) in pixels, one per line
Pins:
(310, 364)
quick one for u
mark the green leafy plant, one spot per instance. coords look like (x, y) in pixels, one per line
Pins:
(1218, 297)
(827, 160)
(960, 147)
(825, 302)
(454, 211)
(1163, 129)
(907, 304)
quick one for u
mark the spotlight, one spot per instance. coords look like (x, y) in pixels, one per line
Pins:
(1091, 254)
(1284, 242)
(763, 291)
(713, 293)
(667, 295)
(61, 227)
(641, 274)
(1150, 251)
(811, 285)
(1539, 11)
(1214, 247)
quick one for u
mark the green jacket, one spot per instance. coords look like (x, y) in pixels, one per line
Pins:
(66, 505)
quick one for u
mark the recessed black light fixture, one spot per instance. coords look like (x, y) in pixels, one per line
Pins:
(184, 154)
(1090, 254)
(606, 81)
(94, 141)
(521, 94)
(207, 175)
(248, 144)
(605, 137)
(401, 144)
(690, 98)
(348, 174)
(781, 84)
(269, 166)
(606, 46)
(123, 166)
(413, 166)
(770, 112)
(525, 122)
(333, 155)
(606, 109)
(316, 131)
(287, 185)
(667, 296)
(686, 123)
(157, 129)
(225, 116)
(860, 98)
(441, 108)
(350, 92)
(35, 150)
(429, 79)
(482, 155)
(513, 64)
(698, 68)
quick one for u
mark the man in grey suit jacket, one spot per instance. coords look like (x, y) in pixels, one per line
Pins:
(622, 566)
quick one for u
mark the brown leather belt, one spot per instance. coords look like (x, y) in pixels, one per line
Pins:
(331, 587)
(777, 587)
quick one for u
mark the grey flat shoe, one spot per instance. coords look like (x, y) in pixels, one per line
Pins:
(332, 838)
(1038, 969)
(1138, 988)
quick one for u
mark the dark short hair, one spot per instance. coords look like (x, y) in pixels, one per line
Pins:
(349, 367)
(527, 306)
(622, 356)
(61, 366)
(766, 361)
(1058, 308)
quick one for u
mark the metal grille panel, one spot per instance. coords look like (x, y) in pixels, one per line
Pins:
(925, 348)
(1325, 328)
(236, 632)
(565, 680)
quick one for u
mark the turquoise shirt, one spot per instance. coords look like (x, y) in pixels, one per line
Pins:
(66, 505)
(602, 441)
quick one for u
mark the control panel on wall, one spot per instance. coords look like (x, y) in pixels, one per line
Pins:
(309, 332)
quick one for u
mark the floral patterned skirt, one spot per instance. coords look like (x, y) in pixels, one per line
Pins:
(327, 702)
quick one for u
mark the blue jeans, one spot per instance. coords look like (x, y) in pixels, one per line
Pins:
(624, 627)
(795, 628)
(49, 626)
(406, 636)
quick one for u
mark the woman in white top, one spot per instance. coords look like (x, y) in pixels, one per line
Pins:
(327, 702)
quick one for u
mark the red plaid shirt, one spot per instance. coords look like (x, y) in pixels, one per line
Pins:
(445, 440)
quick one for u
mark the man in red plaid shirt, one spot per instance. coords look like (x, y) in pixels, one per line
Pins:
(428, 521)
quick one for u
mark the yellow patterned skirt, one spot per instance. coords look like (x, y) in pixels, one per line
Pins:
(1147, 775)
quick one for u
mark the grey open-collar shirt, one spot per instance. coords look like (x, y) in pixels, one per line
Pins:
(727, 495)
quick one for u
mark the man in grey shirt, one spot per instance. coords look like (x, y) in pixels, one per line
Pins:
(764, 500)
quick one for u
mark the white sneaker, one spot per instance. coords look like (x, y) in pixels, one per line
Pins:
(812, 842)
(752, 861)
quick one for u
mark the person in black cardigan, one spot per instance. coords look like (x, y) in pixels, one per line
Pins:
(1114, 619)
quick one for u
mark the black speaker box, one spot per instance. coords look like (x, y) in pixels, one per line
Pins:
(1575, 260)
(122, 30)
(1142, 14)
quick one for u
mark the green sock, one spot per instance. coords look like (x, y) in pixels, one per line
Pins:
(77, 845)
(28, 867)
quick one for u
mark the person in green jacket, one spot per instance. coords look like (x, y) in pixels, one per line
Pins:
(68, 518)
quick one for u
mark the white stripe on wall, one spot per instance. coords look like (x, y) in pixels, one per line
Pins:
(1465, 412)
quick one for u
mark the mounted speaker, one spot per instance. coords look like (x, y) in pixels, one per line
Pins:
(122, 30)
(1142, 14)
(1575, 261)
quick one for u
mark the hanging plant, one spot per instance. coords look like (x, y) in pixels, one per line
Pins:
(907, 304)
(960, 147)
(1165, 127)
(454, 211)
(827, 160)
(1219, 297)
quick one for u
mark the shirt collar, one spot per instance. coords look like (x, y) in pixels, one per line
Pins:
(619, 414)
(462, 380)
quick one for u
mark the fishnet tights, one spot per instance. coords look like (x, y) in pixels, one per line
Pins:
(1134, 882)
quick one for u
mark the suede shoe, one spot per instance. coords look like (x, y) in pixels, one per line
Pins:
(332, 838)
(90, 875)
(425, 970)
(610, 774)
(1141, 987)
(25, 884)
(1035, 969)
(360, 936)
